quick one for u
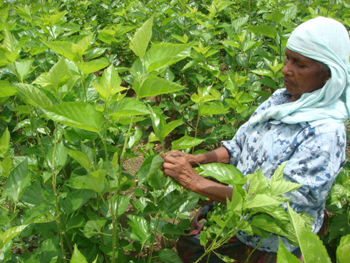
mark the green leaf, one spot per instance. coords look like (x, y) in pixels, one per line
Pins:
(267, 223)
(7, 89)
(237, 200)
(56, 157)
(93, 227)
(212, 108)
(76, 114)
(93, 65)
(275, 16)
(5, 142)
(258, 183)
(5, 166)
(141, 38)
(185, 142)
(171, 229)
(18, 181)
(81, 158)
(35, 195)
(63, 48)
(168, 256)
(310, 244)
(156, 163)
(109, 83)
(343, 250)
(57, 76)
(123, 204)
(135, 138)
(76, 199)
(151, 86)
(261, 200)
(95, 180)
(9, 234)
(140, 229)
(269, 31)
(278, 174)
(33, 96)
(82, 45)
(77, 257)
(158, 123)
(225, 173)
(23, 68)
(263, 72)
(203, 238)
(339, 226)
(127, 107)
(281, 187)
(169, 127)
(244, 98)
(165, 54)
(284, 256)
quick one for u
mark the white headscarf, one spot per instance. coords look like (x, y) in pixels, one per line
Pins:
(325, 40)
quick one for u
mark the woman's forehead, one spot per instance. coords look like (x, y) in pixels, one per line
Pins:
(297, 56)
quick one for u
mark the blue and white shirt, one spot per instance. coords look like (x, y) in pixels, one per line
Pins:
(314, 155)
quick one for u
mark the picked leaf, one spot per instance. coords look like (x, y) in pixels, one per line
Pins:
(225, 173)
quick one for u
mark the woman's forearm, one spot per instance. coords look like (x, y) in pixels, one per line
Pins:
(214, 191)
(219, 155)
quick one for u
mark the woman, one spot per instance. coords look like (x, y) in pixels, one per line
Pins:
(302, 124)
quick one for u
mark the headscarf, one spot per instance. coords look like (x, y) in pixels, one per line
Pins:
(325, 40)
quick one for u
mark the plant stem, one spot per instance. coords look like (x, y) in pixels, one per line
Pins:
(154, 237)
(115, 217)
(54, 177)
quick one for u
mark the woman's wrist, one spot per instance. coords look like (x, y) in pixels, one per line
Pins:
(194, 160)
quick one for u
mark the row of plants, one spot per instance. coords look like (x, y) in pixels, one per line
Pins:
(88, 86)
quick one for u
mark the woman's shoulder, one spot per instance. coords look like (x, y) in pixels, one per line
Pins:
(279, 97)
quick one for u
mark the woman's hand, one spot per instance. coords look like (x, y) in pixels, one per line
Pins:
(177, 166)
(192, 159)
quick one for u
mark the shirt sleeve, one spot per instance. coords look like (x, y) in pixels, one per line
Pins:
(234, 146)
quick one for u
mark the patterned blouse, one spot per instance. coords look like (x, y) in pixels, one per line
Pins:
(315, 156)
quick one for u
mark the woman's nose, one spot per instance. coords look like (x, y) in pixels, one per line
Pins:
(286, 68)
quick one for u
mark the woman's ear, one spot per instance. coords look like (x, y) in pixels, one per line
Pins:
(327, 78)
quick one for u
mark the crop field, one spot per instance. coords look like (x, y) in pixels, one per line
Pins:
(92, 92)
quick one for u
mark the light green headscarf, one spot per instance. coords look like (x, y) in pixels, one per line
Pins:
(325, 40)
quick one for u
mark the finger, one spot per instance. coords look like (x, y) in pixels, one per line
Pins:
(172, 159)
(176, 153)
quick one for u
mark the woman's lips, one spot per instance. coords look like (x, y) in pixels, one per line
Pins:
(287, 83)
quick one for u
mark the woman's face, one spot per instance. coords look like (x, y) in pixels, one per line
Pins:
(302, 75)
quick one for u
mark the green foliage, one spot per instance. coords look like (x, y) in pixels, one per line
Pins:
(86, 86)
